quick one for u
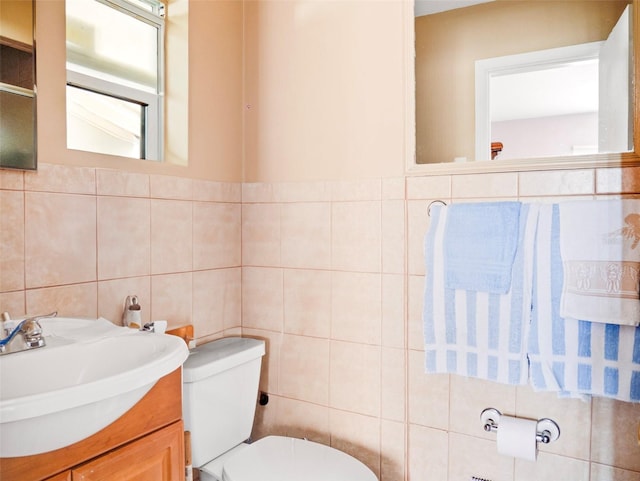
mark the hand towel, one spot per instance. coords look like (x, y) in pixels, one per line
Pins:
(575, 358)
(480, 243)
(472, 333)
(600, 247)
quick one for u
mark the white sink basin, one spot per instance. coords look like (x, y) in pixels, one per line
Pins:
(88, 375)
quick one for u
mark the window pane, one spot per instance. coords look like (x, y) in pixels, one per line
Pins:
(112, 45)
(104, 124)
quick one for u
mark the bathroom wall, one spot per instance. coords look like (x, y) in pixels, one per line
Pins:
(79, 240)
(333, 280)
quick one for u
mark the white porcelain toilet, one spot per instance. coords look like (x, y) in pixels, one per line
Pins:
(220, 388)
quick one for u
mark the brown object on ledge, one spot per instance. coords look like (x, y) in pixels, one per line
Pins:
(496, 148)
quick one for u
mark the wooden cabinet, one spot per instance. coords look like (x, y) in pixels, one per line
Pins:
(146, 443)
(156, 457)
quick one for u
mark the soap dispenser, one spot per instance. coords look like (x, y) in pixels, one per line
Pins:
(131, 317)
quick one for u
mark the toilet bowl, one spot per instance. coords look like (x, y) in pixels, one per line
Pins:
(220, 390)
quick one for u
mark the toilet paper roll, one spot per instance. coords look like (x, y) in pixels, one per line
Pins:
(517, 437)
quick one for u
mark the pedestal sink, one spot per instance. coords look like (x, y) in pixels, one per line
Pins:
(88, 375)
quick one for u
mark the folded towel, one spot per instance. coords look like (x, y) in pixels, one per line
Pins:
(575, 358)
(478, 334)
(480, 243)
(599, 242)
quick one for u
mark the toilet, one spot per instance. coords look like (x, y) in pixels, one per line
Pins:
(220, 389)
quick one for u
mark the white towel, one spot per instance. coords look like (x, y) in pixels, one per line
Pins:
(600, 248)
(575, 358)
(472, 333)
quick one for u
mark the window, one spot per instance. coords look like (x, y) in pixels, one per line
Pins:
(115, 77)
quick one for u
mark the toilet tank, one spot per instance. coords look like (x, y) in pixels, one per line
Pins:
(220, 389)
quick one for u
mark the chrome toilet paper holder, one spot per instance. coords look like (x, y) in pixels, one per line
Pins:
(547, 430)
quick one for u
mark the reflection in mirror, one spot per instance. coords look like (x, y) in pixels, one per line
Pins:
(463, 57)
(17, 85)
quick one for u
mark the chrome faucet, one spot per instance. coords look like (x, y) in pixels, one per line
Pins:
(28, 330)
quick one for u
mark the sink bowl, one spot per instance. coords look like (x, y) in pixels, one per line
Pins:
(88, 375)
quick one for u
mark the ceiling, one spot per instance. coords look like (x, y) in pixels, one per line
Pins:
(427, 7)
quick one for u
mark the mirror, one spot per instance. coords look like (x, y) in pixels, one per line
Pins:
(17, 85)
(450, 44)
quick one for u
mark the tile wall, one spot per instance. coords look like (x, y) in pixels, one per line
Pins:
(330, 274)
(80, 240)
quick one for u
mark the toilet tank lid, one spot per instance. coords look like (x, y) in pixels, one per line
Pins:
(220, 355)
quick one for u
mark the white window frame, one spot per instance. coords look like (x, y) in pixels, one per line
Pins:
(152, 120)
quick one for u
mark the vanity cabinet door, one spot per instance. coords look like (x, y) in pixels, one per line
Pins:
(66, 476)
(156, 457)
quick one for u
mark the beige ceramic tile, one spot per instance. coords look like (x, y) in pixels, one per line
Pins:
(550, 466)
(558, 182)
(429, 187)
(304, 369)
(171, 236)
(266, 421)
(62, 178)
(262, 298)
(209, 191)
(60, 239)
(270, 367)
(600, 472)
(77, 300)
(392, 450)
(393, 385)
(393, 188)
(302, 192)
(572, 415)
(300, 419)
(418, 222)
(11, 240)
(171, 298)
(428, 395)
(117, 182)
(216, 300)
(393, 310)
(393, 236)
(355, 378)
(12, 179)
(614, 428)
(415, 330)
(618, 180)
(356, 307)
(470, 456)
(124, 237)
(351, 190)
(261, 235)
(257, 192)
(484, 185)
(356, 236)
(13, 302)
(112, 295)
(469, 397)
(356, 435)
(217, 235)
(306, 235)
(307, 302)
(428, 453)
(170, 187)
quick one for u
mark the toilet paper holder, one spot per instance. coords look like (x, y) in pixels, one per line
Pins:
(547, 429)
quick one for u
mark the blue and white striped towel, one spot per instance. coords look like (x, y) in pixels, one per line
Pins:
(574, 357)
(473, 333)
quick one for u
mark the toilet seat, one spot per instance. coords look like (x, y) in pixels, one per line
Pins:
(279, 458)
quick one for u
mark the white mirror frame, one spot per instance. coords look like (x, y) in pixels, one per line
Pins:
(625, 159)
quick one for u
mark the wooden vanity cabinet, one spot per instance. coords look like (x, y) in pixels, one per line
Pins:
(145, 444)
